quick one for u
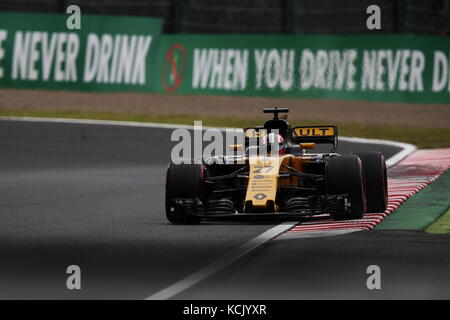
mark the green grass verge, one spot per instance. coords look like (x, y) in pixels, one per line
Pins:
(421, 137)
(423, 209)
(442, 225)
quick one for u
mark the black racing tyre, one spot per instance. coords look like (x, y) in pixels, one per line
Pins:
(344, 174)
(183, 181)
(374, 167)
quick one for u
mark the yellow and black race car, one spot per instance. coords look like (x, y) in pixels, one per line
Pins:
(277, 177)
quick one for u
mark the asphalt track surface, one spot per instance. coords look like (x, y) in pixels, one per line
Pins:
(92, 195)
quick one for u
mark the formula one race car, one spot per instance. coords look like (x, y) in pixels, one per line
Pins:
(285, 182)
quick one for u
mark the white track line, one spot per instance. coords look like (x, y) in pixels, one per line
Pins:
(103, 122)
(247, 247)
(221, 263)
(407, 148)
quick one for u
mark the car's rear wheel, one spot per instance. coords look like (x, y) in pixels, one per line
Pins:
(374, 167)
(344, 175)
(184, 182)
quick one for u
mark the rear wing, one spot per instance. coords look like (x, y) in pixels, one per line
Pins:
(316, 134)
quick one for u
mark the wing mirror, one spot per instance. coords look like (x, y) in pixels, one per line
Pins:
(236, 146)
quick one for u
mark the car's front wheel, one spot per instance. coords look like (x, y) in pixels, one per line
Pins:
(344, 175)
(184, 182)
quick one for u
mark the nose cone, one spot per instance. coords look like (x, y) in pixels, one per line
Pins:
(262, 185)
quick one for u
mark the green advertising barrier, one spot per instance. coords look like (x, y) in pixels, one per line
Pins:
(116, 53)
(108, 53)
(399, 68)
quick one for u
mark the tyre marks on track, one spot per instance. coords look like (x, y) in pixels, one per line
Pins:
(405, 179)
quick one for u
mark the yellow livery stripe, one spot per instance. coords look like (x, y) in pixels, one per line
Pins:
(263, 181)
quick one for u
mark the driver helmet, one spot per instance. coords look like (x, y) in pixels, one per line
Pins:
(274, 138)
